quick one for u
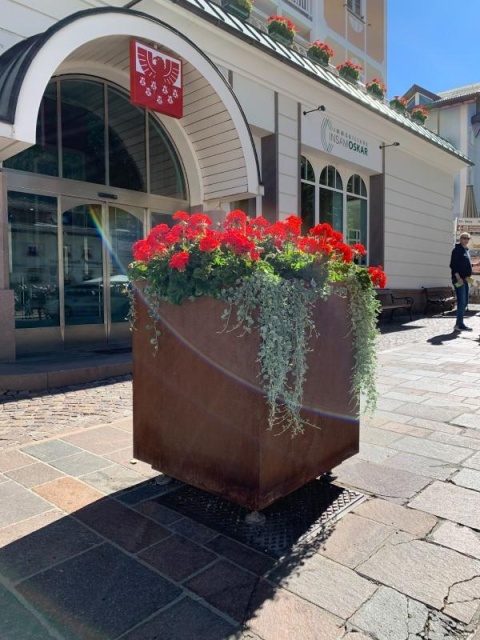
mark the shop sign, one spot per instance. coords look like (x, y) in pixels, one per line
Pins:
(155, 80)
(334, 137)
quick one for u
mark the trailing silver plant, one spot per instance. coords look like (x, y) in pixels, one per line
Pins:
(282, 310)
(363, 308)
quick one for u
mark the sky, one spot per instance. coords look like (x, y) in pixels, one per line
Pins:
(432, 43)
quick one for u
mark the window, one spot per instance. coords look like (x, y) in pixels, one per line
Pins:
(331, 198)
(357, 208)
(103, 141)
(328, 201)
(355, 6)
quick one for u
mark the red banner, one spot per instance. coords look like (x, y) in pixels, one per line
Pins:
(155, 80)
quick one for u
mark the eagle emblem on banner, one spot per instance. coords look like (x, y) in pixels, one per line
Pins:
(155, 80)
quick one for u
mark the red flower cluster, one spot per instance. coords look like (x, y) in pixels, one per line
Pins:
(350, 65)
(378, 84)
(251, 240)
(318, 44)
(286, 22)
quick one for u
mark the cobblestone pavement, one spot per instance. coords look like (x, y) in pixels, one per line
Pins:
(31, 416)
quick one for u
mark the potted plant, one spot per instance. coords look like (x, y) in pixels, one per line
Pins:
(419, 114)
(349, 70)
(399, 104)
(240, 8)
(261, 334)
(376, 88)
(320, 52)
(281, 29)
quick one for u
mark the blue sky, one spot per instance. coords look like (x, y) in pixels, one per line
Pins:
(432, 43)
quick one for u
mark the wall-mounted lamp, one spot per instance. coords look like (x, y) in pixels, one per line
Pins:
(319, 108)
(393, 144)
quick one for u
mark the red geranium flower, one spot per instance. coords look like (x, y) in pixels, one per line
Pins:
(179, 260)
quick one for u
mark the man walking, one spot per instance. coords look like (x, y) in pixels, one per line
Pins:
(461, 267)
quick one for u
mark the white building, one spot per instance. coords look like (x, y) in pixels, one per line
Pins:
(85, 172)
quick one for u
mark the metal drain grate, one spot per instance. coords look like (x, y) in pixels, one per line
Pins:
(299, 518)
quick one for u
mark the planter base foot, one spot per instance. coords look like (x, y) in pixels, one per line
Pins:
(163, 479)
(255, 517)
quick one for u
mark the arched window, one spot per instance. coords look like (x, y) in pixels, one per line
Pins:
(357, 211)
(307, 181)
(331, 198)
(103, 141)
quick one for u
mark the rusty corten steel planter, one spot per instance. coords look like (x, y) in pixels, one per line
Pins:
(199, 414)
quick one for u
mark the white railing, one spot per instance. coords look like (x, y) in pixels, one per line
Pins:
(305, 6)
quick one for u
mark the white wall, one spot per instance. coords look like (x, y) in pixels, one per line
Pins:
(418, 222)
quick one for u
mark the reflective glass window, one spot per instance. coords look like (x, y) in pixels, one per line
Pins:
(126, 143)
(83, 130)
(33, 267)
(166, 174)
(42, 157)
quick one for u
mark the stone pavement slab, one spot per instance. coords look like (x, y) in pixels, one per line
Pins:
(441, 578)
(414, 522)
(450, 502)
(456, 537)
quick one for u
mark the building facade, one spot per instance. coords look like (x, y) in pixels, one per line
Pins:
(455, 116)
(85, 172)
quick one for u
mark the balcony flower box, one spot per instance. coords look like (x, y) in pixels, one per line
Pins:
(239, 8)
(399, 104)
(419, 114)
(349, 71)
(376, 88)
(320, 52)
(281, 29)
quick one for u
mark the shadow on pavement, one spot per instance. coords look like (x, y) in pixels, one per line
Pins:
(127, 566)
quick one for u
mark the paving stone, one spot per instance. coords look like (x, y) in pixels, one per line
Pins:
(327, 584)
(420, 465)
(354, 539)
(101, 593)
(158, 512)
(473, 462)
(414, 522)
(373, 453)
(380, 480)
(431, 574)
(52, 450)
(450, 502)
(40, 549)
(17, 503)
(280, 615)
(34, 474)
(434, 425)
(68, 493)
(193, 530)
(21, 529)
(457, 440)
(112, 479)
(226, 587)
(185, 620)
(17, 622)
(467, 478)
(389, 615)
(354, 635)
(177, 558)
(240, 554)
(457, 537)
(123, 526)
(425, 411)
(13, 460)
(430, 449)
(80, 464)
(103, 439)
(467, 420)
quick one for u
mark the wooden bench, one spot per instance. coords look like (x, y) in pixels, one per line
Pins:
(391, 303)
(443, 298)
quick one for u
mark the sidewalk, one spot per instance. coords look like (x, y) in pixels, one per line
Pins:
(89, 552)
